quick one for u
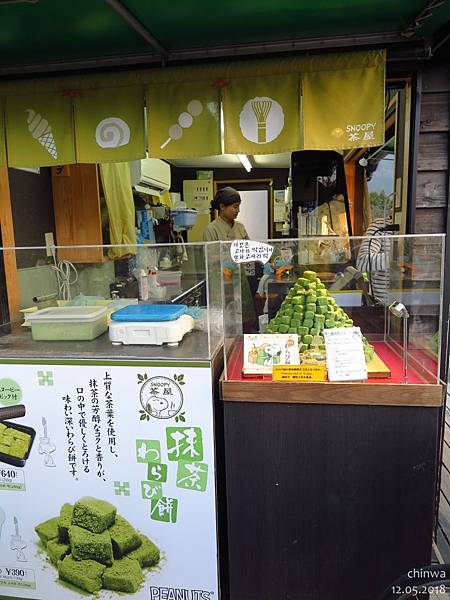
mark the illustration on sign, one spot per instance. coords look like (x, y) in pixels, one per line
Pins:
(42, 132)
(261, 120)
(246, 250)
(46, 446)
(185, 120)
(112, 132)
(161, 397)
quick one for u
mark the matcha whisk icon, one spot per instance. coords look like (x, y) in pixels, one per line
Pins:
(261, 109)
(46, 446)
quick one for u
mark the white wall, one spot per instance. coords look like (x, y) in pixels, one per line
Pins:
(254, 213)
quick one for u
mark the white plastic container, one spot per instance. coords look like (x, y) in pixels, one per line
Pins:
(69, 323)
(153, 333)
(169, 277)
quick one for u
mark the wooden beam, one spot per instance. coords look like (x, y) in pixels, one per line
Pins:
(9, 256)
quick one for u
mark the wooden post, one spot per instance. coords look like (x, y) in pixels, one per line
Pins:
(9, 256)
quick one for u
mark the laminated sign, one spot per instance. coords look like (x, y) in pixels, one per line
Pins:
(110, 125)
(344, 108)
(39, 130)
(183, 120)
(261, 115)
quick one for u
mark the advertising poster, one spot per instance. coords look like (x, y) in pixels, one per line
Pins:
(108, 482)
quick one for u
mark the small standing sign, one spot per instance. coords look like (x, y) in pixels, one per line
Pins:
(345, 354)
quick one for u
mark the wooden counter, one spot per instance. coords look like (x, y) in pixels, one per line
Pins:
(330, 486)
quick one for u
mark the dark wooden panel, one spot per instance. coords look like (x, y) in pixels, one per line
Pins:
(330, 502)
(431, 189)
(435, 112)
(436, 79)
(430, 220)
(433, 152)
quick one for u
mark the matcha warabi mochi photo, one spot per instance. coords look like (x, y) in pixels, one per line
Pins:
(307, 310)
(94, 548)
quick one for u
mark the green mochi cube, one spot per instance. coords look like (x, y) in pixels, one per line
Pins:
(85, 574)
(292, 330)
(302, 281)
(124, 537)
(307, 339)
(308, 323)
(303, 348)
(57, 551)
(65, 521)
(302, 330)
(295, 323)
(322, 301)
(329, 323)
(298, 300)
(86, 545)
(283, 328)
(309, 314)
(320, 318)
(125, 575)
(48, 530)
(311, 307)
(310, 275)
(147, 554)
(285, 320)
(94, 515)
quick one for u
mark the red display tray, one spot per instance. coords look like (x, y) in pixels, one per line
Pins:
(384, 351)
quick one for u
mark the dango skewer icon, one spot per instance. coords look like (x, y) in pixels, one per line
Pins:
(185, 120)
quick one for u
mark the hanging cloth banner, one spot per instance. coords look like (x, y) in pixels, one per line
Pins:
(344, 108)
(110, 125)
(183, 120)
(2, 136)
(261, 115)
(39, 130)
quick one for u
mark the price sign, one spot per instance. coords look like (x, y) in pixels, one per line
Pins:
(299, 373)
(14, 577)
(345, 354)
(12, 479)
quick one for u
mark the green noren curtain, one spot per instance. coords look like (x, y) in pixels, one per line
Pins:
(110, 125)
(332, 101)
(261, 115)
(344, 108)
(39, 130)
(183, 120)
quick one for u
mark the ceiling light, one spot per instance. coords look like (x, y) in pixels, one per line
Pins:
(245, 162)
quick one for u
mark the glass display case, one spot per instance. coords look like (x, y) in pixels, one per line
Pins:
(57, 307)
(390, 286)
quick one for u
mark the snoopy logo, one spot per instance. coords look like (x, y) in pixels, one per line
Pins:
(161, 397)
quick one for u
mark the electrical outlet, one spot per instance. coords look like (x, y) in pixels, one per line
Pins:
(49, 243)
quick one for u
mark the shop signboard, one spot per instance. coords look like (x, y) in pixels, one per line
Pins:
(137, 438)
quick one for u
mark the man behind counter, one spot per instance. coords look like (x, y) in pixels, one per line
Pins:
(227, 202)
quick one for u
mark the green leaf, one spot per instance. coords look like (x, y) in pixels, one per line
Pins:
(182, 419)
(145, 376)
(181, 382)
(140, 378)
(175, 378)
(143, 417)
(181, 377)
(176, 419)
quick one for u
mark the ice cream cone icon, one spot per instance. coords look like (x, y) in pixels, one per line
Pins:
(42, 132)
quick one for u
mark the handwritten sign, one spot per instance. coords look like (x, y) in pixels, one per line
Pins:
(345, 354)
(299, 373)
(246, 250)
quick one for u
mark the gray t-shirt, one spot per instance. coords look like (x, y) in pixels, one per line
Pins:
(221, 231)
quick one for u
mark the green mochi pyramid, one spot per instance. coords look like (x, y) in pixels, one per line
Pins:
(307, 310)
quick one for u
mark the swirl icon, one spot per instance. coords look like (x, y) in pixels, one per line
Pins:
(112, 132)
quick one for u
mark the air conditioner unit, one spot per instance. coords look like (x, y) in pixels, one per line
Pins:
(154, 178)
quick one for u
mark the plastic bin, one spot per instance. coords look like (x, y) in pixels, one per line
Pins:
(184, 218)
(69, 323)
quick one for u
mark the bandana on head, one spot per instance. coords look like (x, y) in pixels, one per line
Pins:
(226, 196)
